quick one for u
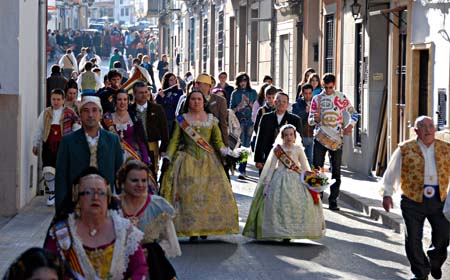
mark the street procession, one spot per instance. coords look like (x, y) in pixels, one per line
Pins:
(174, 140)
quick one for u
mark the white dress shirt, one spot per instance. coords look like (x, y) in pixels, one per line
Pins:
(392, 176)
(141, 108)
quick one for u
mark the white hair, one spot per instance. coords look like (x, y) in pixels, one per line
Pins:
(420, 119)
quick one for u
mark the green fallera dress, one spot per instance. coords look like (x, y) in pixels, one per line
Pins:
(282, 207)
(197, 186)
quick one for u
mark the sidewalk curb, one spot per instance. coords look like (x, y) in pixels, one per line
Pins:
(372, 208)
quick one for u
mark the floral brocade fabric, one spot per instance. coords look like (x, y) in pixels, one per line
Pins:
(413, 166)
(197, 187)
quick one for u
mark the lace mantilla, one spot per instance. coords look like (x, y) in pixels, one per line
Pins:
(127, 240)
(211, 120)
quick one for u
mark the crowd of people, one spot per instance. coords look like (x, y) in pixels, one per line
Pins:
(130, 169)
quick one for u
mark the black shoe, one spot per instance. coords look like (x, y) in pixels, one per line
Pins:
(420, 278)
(334, 207)
(436, 272)
(204, 237)
(286, 240)
(193, 238)
(242, 177)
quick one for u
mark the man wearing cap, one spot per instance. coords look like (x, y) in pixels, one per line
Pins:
(421, 168)
(217, 105)
(89, 146)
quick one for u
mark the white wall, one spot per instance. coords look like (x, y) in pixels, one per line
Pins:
(427, 20)
(28, 97)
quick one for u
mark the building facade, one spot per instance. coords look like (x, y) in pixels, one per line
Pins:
(22, 93)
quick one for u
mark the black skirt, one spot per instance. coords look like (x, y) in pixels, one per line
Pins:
(158, 265)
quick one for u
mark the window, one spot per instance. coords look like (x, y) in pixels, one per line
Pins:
(121, 2)
(254, 46)
(127, 12)
(122, 12)
(192, 42)
(329, 44)
(205, 44)
(220, 41)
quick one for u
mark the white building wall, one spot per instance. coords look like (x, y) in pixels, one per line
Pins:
(28, 98)
(427, 19)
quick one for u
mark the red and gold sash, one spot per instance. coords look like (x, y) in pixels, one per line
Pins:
(64, 241)
(286, 160)
(196, 137)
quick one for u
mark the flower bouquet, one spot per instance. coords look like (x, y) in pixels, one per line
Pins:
(240, 155)
(316, 182)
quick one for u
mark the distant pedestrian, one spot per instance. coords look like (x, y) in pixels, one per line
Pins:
(242, 100)
(149, 67)
(314, 81)
(327, 113)
(88, 81)
(421, 168)
(71, 91)
(53, 123)
(268, 80)
(168, 97)
(268, 106)
(163, 67)
(223, 76)
(68, 64)
(56, 80)
(301, 108)
(305, 79)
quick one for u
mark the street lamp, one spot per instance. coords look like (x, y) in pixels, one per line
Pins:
(356, 8)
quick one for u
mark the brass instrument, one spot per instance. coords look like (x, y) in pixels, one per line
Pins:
(139, 74)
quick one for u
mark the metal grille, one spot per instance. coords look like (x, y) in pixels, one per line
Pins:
(329, 44)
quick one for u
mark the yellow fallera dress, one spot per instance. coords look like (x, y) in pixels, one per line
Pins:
(196, 184)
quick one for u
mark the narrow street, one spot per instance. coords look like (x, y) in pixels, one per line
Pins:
(355, 247)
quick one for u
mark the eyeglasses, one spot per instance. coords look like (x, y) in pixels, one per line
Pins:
(92, 193)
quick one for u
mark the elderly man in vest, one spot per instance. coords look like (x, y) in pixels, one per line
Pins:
(421, 167)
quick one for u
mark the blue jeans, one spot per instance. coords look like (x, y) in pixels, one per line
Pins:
(246, 137)
(308, 143)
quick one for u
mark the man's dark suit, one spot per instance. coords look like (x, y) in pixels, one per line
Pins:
(268, 131)
(74, 157)
(155, 126)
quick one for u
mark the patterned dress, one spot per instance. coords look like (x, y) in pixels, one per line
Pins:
(196, 184)
(282, 206)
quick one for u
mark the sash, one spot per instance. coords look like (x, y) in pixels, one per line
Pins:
(63, 238)
(107, 119)
(196, 137)
(286, 160)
